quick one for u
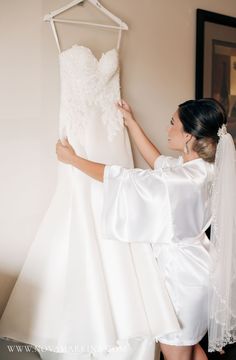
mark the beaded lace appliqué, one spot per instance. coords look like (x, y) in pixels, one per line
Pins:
(90, 88)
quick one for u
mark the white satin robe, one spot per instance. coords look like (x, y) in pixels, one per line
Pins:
(169, 207)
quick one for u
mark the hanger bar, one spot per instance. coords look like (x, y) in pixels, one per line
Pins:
(96, 3)
(109, 14)
(88, 23)
(62, 9)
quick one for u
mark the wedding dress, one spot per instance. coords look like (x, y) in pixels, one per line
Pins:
(78, 292)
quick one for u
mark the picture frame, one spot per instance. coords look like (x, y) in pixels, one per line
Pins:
(216, 61)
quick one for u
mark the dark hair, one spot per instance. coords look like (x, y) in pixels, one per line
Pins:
(202, 118)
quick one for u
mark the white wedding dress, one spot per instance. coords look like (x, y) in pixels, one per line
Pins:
(78, 292)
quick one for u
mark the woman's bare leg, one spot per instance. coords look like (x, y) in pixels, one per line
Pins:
(198, 353)
(172, 352)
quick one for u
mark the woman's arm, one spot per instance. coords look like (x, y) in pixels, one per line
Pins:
(66, 154)
(148, 151)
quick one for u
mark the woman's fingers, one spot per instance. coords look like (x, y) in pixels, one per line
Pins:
(123, 109)
(59, 145)
(65, 141)
(125, 105)
(124, 112)
(119, 105)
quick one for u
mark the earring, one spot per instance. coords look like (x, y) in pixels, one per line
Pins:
(186, 149)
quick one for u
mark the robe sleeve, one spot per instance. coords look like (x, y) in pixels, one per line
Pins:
(136, 205)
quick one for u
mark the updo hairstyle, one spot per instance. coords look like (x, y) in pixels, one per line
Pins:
(202, 118)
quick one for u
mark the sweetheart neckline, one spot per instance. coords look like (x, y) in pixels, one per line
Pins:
(90, 51)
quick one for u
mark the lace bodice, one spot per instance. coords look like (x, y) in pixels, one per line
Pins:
(89, 90)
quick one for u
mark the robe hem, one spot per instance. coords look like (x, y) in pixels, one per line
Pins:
(182, 343)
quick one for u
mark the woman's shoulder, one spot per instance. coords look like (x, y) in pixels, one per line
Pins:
(196, 172)
(163, 161)
(167, 162)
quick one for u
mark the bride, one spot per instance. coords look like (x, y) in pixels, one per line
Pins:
(170, 208)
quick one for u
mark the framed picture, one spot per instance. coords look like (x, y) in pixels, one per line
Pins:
(216, 61)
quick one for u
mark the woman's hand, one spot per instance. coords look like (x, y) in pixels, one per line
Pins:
(146, 148)
(127, 113)
(65, 152)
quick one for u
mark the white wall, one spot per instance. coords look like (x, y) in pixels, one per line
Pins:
(158, 67)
